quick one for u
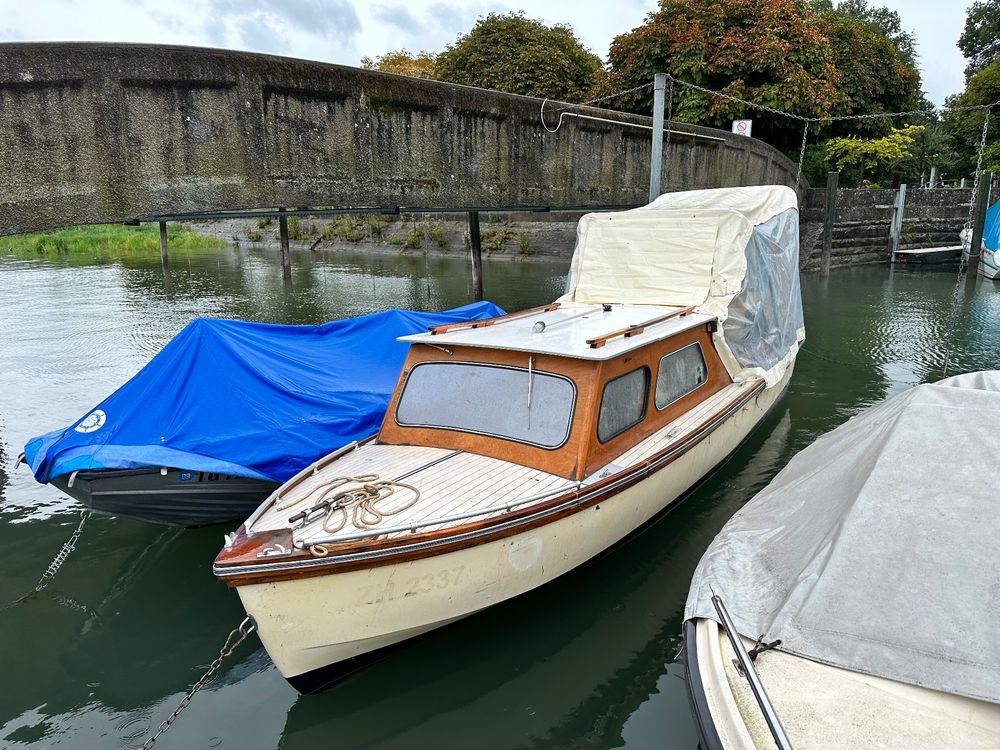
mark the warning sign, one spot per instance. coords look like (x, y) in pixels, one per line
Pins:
(742, 127)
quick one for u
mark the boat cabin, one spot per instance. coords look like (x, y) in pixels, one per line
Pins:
(561, 389)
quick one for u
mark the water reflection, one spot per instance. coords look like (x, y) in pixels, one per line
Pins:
(105, 653)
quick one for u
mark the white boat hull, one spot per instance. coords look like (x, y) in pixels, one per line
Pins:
(822, 706)
(339, 621)
(989, 262)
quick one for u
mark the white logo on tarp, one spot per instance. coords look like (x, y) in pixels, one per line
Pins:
(92, 422)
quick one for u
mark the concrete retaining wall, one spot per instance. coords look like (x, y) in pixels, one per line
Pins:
(931, 218)
(95, 133)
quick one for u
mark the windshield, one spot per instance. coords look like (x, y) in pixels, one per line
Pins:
(505, 402)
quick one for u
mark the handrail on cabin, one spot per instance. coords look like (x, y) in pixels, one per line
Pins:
(446, 327)
(634, 330)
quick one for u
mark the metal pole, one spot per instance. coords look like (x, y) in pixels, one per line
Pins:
(656, 155)
(756, 687)
(476, 249)
(163, 243)
(832, 178)
(286, 258)
(896, 227)
(982, 203)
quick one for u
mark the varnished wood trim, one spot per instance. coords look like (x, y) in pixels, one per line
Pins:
(634, 330)
(485, 322)
(238, 565)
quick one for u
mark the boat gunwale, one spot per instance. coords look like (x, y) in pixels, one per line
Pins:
(440, 541)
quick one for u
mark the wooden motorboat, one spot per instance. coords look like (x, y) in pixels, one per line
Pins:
(517, 448)
(853, 602)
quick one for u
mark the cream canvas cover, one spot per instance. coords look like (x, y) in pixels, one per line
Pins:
(729, 252)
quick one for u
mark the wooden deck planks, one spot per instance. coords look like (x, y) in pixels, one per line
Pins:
(466, 481)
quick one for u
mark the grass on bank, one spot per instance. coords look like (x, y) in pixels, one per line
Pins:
(111, 240)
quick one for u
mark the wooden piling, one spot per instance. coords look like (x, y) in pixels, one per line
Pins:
(476, 250)
(286, 258)
(163, 243)
(982, 199)
(832, 178)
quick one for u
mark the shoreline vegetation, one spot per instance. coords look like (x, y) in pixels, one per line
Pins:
(110, 241)
(513, 240)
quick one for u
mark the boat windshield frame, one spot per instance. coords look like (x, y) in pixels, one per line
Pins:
(532, 376)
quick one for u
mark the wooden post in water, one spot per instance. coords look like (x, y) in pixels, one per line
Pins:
(286, 258)
(163, 243)
(896, 225)
(476, 249)
(982, 199)
(829, 217)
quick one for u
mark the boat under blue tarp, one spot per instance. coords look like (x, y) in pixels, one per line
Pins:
(991, 230)
(251, 400)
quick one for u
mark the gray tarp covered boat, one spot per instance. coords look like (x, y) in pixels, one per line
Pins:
(872, 557)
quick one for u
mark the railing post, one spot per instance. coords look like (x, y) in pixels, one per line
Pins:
(163, 243)
(286, 258)
(476, 250)
(982, 199)
(832, 178)
(656, 154)
(896, 226)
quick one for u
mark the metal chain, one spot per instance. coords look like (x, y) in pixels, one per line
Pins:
(962, 263)
(738, 100)
(57, 561)
(829, 118)
(975, 179)
(802, 155)
(240, 633)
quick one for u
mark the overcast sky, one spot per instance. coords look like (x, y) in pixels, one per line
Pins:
(343, 31)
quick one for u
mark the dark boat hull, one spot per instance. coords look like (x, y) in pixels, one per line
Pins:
(174, 497)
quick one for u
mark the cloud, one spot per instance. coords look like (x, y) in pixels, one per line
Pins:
(398, 16)
(260, 34)
(262, 22)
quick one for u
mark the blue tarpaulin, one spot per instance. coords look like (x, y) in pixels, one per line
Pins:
(248, 399)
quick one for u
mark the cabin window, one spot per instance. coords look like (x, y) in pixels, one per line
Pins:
(505, 402)
(680, 372)
(623, 403)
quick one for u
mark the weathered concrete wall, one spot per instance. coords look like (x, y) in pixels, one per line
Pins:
(931, 218)
(105, 133)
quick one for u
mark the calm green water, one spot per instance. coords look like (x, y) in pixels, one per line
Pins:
(134, 617)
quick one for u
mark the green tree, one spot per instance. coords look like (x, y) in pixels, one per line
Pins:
(965, 128)
(772, 52)
(404, 63)
(980, 40)
(867, 154)
(882, 21)
(874, 75)
(521, 56)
